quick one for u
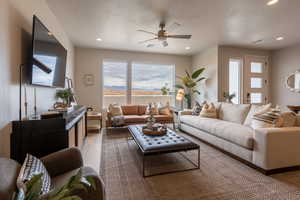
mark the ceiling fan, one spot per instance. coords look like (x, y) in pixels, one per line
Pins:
(162, 35)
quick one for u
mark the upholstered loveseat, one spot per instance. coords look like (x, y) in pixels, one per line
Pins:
(136, 114)
(268, 149)
(61, 166)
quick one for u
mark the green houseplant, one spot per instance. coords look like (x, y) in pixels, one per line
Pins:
(228, 97)
(189, 84)
(165, 90)
(66, 192)
(64, 95)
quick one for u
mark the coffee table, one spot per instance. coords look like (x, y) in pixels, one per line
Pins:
(172, 142)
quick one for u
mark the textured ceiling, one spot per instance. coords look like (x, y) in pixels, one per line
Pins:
(211, 22)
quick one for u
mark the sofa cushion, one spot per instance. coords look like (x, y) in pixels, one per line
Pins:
(234, 112)
(163, 117)
(142, 109)
(135, 118)
(130, 109)
(233, 132)
(256, 109)
(115, 110)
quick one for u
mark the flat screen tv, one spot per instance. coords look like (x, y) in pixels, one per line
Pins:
(49, 58)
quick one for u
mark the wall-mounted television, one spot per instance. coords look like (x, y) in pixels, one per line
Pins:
(49, 57)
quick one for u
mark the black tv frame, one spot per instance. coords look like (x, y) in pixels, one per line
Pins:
(32, 62)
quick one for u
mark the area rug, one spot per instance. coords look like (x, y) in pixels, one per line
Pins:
(220, 177)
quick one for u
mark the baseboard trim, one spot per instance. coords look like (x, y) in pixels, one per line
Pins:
(261, 170)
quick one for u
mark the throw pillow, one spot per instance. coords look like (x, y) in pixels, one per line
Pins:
(271, 119)
(115, 110)
(164, 109)
(208, 111)
(289, 119)
(256, 110)
(196, 109)
(153, 109)
(33, 166)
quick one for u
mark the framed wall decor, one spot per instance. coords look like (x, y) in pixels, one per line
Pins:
(89, 79)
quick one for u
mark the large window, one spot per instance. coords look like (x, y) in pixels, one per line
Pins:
(137, 83)
(147, 81)
(114, 82)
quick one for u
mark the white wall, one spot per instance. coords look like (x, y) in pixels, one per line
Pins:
(284, 62)
(15, 40)
(89, 61)
(209, 60)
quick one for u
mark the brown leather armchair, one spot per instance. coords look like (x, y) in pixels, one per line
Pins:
(61, 166)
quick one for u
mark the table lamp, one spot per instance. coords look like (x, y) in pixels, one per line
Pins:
(180, 96)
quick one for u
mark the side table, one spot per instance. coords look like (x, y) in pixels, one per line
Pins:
(94, 116)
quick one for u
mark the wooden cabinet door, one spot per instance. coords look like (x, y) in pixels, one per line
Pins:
(72, 137)
(80, 133)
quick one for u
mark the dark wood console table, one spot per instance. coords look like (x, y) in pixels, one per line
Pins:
(44, 136)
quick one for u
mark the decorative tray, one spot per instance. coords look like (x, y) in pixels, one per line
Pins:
(155, 131)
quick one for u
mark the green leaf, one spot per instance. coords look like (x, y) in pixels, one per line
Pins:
(91, 180)
(196, 91)
(200, 79)
(187, 73)
(197, 73)
(179, 86)
(72, 198)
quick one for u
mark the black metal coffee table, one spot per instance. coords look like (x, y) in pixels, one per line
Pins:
(157, 145)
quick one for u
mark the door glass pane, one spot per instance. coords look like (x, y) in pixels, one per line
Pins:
(234, 79)
(114, 83)
(256, 67)
(148, 81)
(256, 98)
(256, 82)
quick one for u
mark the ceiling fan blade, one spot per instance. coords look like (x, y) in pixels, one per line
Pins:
(147, 32)
(148, 40)
(180, 36)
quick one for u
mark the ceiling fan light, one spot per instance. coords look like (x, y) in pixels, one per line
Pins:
(165, 43)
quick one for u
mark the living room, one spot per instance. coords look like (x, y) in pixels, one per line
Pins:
(217, 82)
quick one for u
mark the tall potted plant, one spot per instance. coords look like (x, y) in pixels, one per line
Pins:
(189, 84)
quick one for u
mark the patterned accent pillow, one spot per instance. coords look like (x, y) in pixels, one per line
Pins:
(196, 109)
(271, 119)
(115, 110)
(33, 166)
(154, 109)
(208, 111)
(164, 109)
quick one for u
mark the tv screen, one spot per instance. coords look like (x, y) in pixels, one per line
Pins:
(49, 58)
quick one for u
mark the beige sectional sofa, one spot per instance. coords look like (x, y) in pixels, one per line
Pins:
(268, 149)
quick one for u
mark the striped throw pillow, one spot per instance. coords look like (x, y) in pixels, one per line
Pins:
(208, 111)
(33, 166)
(267, 120)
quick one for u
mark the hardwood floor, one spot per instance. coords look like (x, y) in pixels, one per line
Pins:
(91, 150)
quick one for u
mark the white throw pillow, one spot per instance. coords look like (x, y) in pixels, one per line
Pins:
(256, 110)
(115, 110)
(234, 112)
(208, 111)
(164, 109)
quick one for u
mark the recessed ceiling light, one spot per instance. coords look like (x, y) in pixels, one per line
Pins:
(99, 39)
(272, 2)
(279, 38)
(187, 48)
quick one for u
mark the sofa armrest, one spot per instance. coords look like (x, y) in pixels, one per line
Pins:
(276, 148)
(63, 161)
(185, 112)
